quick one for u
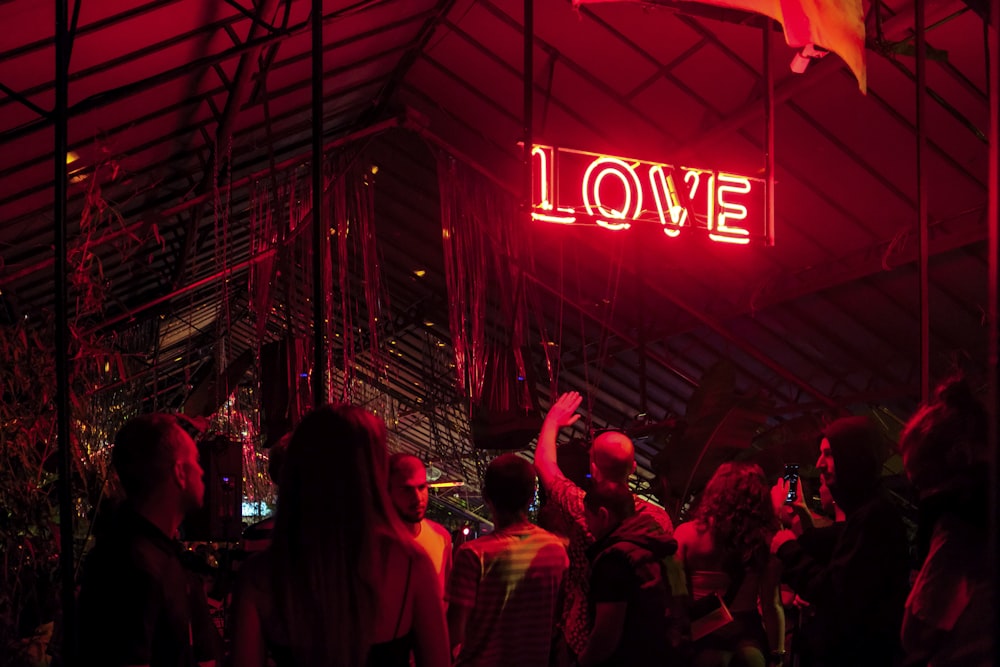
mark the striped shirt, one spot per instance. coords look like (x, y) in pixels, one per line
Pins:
(510, 581)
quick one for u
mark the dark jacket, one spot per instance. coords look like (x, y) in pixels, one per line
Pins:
(138, 605)
(859, 594)
(628, 566)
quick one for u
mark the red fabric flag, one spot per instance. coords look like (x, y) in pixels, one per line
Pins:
(835, 25)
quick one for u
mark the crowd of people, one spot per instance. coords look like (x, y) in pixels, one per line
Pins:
(351, 573)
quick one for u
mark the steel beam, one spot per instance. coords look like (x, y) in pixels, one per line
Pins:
(67, 556)
(224, 133)
(922, 223)
(131, 230)
(993, 365)
(320, 239)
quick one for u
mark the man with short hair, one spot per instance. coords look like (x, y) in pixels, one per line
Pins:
(612, 459)
(505, 586)
(137, 602)
(628, 591)
(409, 493)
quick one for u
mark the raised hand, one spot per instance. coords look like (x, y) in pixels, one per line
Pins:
(563, 411)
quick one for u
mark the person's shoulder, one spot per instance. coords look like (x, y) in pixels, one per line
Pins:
(438, 529)
(550, 546)
(539, 534)
(128, 555)
(879, 514)
(686, 531)
(657, 513)
(562, 491)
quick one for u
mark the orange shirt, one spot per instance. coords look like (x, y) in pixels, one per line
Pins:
(436, 541)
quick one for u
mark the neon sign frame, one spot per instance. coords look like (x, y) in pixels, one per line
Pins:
(727, 207)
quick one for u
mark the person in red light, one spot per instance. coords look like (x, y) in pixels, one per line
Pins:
(724, 551)
(342, 584)
(612, 459)
(504, 590)
(628, 592)
(948, 617)
(857, 592)
(138, 606)
(409, 494)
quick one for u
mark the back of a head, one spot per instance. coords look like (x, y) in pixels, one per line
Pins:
(613, 455)
(336, 463)
(944, 444)
(858, 449)
(509, 483)
(332, 505)
(736, 506)
(615, 497)
(735, 487)
(144, 453)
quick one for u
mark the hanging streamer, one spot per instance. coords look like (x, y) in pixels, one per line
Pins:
(482, 265)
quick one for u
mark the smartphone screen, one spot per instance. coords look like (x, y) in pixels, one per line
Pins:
(792, 477)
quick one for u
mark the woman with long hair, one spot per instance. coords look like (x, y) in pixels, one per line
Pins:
(949, 613)
(724, 550)
(341, 584)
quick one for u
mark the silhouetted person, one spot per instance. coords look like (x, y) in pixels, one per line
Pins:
(628, 595)
(137, 602)
(948, 620)
(612, 459)
(858, 595)
(504, 593)
(342, 584)
(725, 551)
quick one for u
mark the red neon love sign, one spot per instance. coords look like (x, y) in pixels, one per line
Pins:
(577, 187)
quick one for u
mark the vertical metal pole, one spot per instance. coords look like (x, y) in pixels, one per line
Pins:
(925, 318)
(67, 558)
(993, 366)
(640, 266)
(529, 83)
(768, 135)
(319, 229)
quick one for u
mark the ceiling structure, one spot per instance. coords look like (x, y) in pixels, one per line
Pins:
(186, 112)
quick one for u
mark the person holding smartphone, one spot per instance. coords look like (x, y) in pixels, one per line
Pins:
(858, 593)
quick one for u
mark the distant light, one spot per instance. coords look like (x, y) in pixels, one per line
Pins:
(303, 375)
(179, 359)
(374, 168)
(419, 273)
(520, 378)
(465, 531)
(71, 157)
(446, 485)
(428, 323)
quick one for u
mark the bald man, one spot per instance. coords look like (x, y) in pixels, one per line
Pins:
(409, 493)
(612, 460)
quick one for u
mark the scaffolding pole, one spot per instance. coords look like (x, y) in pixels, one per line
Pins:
(993, 365)
(67, 557)
(319, 235)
